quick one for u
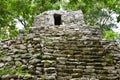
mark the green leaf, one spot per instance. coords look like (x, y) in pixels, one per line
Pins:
(118, 18)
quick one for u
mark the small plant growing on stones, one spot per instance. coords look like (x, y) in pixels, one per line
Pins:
(8, 70)
(5, 70)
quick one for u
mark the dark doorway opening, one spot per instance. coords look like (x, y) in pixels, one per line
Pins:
(57, 19)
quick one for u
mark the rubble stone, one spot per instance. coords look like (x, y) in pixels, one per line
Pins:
(60, 46)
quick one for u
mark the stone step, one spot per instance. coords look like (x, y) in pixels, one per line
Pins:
(95, 64)
(50, 70)
(89, 60)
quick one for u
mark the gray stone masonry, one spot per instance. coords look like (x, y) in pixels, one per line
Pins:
(65, 49)
(48, 18)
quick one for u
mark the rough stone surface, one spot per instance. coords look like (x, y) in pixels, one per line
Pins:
(70, 51)
(46, 19)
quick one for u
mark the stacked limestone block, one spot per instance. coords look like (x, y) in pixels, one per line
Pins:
(59, 52)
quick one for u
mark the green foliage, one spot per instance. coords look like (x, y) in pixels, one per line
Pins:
(109, 34)
(1, 55)
(118, 18)
(92, 9)
(7, 70)
(22, 10)
(20, 70)
(98, 13)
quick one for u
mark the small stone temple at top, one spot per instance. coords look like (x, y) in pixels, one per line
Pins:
(58, 17)
(69, 21)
